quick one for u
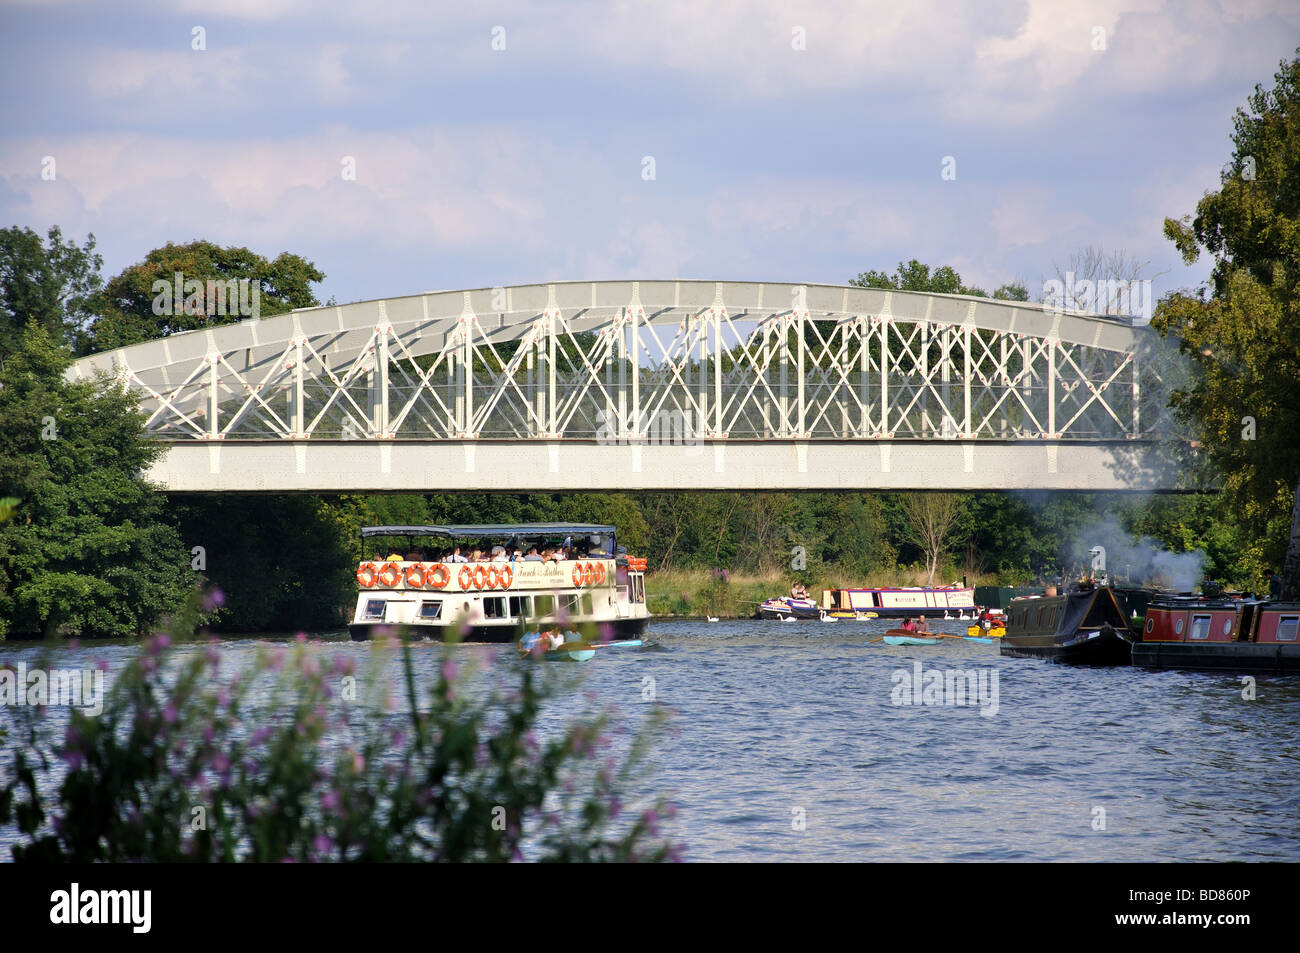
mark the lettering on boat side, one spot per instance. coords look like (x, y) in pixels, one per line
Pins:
(131, 907)
(947, 687)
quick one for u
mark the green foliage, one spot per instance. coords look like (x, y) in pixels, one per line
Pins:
(281, 562)
(126, 306)
(1243, 332)
(187, 763)
(915, 276)
(91, 551)
(52, 284)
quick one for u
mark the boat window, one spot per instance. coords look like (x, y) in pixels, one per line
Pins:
(519, 607)
(1178, 627)
(494, 608)
(1200, 627)
(1227, 626)
(375, 608)
(431, 609)
(1286, 628)
(544, 606)
(586, 604)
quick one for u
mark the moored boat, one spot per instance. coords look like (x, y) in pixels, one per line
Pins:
(1088, 626)
(901, 602)
(784, 608)
(431, 589)
(1222, 634)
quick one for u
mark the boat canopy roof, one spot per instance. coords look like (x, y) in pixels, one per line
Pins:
(492, 530)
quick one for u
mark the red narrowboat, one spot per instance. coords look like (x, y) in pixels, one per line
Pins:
(1246, 635)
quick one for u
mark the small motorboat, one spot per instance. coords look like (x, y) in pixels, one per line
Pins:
(789, 607)
(993, 632)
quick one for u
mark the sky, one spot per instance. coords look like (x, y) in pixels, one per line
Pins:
(411, 146)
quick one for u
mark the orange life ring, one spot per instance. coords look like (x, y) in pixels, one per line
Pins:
(588, 575)
(367, 574)
(577, 574)
(507, 577)
(437, 576)
(465, 577)
(492, 577)
(390, 575)
(600, 574)
(416, 581)
(480, 576)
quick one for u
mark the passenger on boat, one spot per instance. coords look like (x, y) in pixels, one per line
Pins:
(532, 555)
(394, 558)
(499, 554)
(1274, 584)
(922, 625)
(797, 591)
(457, 556)
(908, 625)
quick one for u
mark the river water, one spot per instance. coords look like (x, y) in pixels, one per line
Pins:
(804, 741)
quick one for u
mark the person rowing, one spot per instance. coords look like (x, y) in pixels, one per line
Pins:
(908, 625)
(923, 626)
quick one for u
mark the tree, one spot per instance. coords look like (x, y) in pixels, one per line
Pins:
(914, 276)
(1101, 282)
(90, 552)
(932, 518)
(144, 302)
(1242, 332)
(52, 284)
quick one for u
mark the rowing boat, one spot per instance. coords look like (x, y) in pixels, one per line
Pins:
(575, 650)
(909, 640)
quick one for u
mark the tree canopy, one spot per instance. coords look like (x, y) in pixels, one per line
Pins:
(53, 283)
(1242, 331)
(143, 302)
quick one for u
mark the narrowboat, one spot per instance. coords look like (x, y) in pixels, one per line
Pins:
(426, 582)
(1088, 626)
(1221, 634)
(898, 603)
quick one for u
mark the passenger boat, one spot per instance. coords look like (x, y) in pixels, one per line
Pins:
(898, 603)
(433, 593)
(1222, 634)
(788, 607)
(1088, 626)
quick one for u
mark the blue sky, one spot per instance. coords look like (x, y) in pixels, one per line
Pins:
(478, 166)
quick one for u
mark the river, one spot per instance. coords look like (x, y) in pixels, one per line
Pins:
(803, 741)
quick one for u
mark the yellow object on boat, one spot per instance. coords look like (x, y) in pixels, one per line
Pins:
(997, 632)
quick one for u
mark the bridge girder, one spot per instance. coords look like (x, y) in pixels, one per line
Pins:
(659, 362)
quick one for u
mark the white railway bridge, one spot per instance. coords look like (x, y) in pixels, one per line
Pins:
(617, 385)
